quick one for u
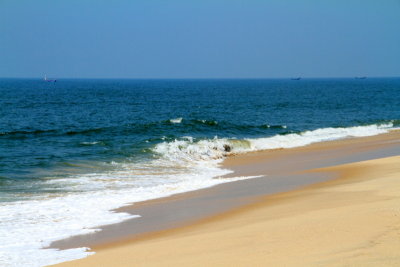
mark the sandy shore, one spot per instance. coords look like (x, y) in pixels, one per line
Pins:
(353, 220)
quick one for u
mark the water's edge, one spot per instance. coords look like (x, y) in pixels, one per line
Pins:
(185, 208)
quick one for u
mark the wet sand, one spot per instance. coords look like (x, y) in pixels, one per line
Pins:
(251, 223)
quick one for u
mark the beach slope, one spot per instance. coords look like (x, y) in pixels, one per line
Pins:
(353, 220)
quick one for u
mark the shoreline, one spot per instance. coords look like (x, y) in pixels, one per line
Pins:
(349, 221)
(312, 157)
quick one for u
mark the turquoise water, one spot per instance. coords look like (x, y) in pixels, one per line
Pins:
(72, 150)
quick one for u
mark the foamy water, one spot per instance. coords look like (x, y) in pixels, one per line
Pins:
(28, 226)
(177, 120)
(179, 166)
(188, 150)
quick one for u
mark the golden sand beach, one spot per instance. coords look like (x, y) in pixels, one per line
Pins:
(352, 220)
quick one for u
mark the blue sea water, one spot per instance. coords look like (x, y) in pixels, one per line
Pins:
(67, 146)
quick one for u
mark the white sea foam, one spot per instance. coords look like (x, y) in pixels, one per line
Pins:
(182, 165)
(318, 135)
(189, 150)
(28, 226)
(89, 143)
(177, 120)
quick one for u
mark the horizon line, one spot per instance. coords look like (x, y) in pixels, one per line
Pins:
(205, 78)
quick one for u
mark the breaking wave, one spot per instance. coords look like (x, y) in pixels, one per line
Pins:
(188, 149)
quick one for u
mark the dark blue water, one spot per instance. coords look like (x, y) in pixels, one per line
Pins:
(47, 125)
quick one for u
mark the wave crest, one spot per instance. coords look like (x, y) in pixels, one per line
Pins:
(188, 149)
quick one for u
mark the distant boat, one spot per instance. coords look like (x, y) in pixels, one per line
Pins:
(49, 80)
(360, 78)
(296, 79)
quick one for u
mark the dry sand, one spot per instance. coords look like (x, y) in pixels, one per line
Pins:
(350, 221)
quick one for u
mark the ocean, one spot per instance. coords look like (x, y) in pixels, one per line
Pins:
(72, 150)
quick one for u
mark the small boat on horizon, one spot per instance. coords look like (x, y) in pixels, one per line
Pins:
(296, 79)
(49, 80)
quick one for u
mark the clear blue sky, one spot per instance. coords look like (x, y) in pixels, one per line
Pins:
(199, 39)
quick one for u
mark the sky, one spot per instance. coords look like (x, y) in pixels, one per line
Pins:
(199, 39)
